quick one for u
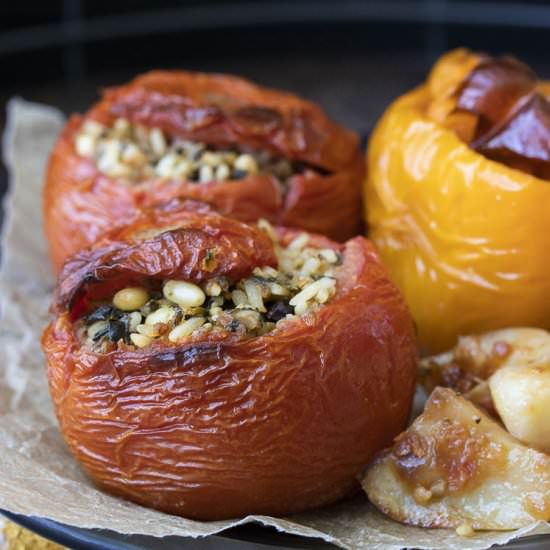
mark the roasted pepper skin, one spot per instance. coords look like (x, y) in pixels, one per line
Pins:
(80, 203)
(465, 238)
(222, 427)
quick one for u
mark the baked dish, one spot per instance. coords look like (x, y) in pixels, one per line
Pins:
(249, 152)
(212, 369)
(458, 196)
(475, 459)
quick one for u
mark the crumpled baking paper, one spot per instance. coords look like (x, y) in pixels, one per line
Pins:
(38, 476)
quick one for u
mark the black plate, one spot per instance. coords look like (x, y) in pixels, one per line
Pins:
(248, 537)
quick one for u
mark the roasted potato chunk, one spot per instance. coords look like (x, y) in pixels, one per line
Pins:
(505, 372)
(522, 399)
(475, 358)
(456, 466)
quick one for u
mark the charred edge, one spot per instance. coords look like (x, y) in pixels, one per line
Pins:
(206, 352)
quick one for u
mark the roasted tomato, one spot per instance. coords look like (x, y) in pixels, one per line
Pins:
(458, 195)
(212, 369)
(249, 151)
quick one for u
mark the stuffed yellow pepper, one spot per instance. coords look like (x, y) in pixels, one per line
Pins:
(458, 197)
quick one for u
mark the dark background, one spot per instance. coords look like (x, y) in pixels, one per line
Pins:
(352, 56)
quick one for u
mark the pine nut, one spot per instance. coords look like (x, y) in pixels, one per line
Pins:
(163, 315)
(131, 298)
(140, 340)
(185, 329)
(148, 330)
(184, 294)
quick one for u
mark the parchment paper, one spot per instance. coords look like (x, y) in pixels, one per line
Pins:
(37, 474)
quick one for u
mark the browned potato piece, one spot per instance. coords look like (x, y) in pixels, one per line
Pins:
(522, 399)
(475, 358)
(455, 466)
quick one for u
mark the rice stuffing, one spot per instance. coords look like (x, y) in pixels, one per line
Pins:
(177, 310)
(133, 152)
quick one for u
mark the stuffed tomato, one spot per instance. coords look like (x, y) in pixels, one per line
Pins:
(212, 369)
(248, 151)
(457, 198)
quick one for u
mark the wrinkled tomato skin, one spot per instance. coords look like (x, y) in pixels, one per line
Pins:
(221, 428)
(80, 203)
(195, 243)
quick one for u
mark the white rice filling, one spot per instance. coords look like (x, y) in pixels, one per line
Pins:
(133, 152)
(179, 310)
